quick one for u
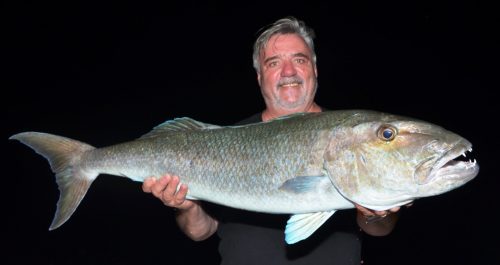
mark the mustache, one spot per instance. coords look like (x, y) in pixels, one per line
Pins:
(290, 80)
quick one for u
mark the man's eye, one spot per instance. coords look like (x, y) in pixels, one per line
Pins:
(300, 61)
(272, 64)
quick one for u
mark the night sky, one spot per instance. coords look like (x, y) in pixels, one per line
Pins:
(105, 72)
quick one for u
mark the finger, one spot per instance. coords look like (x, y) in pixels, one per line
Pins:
(381, 213)
(395, 209)
(147, 184)
(360, 208)
(171, 188)
(180, 196)
(158, 188)
(365, 212)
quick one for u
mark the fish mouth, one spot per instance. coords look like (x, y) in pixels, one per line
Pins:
(453, 166)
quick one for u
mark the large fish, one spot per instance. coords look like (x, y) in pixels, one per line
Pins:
(308, 165)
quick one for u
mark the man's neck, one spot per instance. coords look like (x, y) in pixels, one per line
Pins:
(269, 114)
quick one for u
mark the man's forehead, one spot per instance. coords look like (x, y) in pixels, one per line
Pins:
(286, 44)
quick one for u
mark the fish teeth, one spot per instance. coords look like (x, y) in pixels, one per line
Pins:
(470, 164)
(464, 154)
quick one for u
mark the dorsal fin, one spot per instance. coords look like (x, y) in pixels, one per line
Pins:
(179, 124)
(284, 117)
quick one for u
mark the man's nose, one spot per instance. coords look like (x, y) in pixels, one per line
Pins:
(288, 69)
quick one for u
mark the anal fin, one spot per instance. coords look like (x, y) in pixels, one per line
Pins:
(301, 226)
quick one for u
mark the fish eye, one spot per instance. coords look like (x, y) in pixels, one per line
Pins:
(387, 133)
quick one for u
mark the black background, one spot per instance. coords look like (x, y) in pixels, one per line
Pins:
(108, 71)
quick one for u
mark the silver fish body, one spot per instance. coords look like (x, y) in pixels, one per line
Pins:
(307, 164)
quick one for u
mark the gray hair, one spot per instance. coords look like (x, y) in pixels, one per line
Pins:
(288, 25)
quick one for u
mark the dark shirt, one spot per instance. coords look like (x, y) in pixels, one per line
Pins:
(259, 239)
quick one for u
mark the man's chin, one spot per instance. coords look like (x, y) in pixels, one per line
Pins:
(291, 96)
(292, 105)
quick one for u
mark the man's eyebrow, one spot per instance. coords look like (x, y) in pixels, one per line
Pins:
(299, 54)
(271, 58)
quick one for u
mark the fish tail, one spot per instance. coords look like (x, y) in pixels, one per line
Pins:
(64, 156)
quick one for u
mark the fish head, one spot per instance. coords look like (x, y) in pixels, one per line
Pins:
(387, 161)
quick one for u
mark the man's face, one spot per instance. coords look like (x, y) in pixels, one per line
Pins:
(287, 74)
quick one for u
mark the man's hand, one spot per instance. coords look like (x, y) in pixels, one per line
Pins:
(191, 217)
(368, 213)
(165, 189)
(377, 223)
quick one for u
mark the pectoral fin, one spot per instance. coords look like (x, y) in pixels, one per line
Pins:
(305, 184)
(301, 226)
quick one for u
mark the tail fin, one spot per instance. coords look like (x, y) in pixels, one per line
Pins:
(64, 156)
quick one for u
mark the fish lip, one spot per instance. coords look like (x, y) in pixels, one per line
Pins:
(448, 167)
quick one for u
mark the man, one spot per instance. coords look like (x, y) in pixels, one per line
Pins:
(285, 62)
